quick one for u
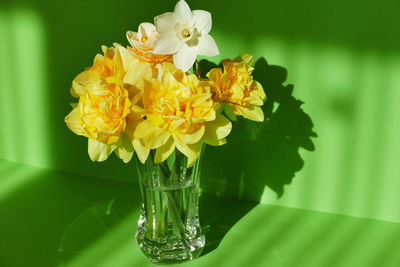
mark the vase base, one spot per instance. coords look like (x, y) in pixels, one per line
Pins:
(173, 251)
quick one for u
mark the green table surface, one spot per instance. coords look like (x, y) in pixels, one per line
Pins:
(51, 218)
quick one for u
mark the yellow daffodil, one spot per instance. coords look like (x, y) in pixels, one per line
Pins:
(179, 113)
(103, 105)
(236, 90)
(142, 43)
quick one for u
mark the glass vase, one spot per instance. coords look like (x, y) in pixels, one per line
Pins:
(169, 229)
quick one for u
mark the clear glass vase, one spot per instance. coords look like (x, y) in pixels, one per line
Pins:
(169, 229)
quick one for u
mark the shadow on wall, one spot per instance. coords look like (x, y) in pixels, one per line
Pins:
(256, 155)
(274, 144)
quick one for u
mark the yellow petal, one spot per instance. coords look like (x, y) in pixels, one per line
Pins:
(163, 152)
(124, 148)
(72, 122)
(192, 79)
(253, 113)
(150, 135)
(217, 130)
(259, 91)
(192, 151)
(254, 99)
(143, 129)
(246, 58)
(141, 151)
(104, 49)
(137, 73)
(237, 92)
(156, 139)
(212, 115)
(99, 57)
(155, 119)
(99, 151)
(126, 57)
(201, 99)
(168, 67)
(193, 137)
(168, 80)
(214, 73)
(83, 79)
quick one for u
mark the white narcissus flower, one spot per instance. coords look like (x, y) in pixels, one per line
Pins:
(184, 34)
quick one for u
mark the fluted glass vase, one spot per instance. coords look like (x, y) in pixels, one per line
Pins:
(169, 228)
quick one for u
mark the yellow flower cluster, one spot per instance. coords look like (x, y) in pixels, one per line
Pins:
(180, 114)
(103, 104)
(234, 86)
(131, 101)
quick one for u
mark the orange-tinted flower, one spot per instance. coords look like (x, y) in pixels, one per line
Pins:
(234, 86)
(142, 43)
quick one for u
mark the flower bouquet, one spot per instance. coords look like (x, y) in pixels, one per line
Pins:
(149, 99)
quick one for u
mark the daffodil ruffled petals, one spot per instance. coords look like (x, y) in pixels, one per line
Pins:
(177, 107)
(234, 86)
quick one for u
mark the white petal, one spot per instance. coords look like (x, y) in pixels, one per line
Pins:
(185, 58)
(167, 44)
(132, 37)
(183, 13)
(207, 46)
(146, 29)
(202, 21)
(165, 22)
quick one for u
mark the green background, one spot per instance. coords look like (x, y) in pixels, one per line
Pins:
(320, 164)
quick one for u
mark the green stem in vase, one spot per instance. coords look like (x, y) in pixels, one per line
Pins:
(171, 200)
(169, 230)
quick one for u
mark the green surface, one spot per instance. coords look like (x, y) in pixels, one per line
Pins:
(59, 219)
(337, 153)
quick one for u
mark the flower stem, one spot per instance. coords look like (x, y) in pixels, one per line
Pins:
(171, 197)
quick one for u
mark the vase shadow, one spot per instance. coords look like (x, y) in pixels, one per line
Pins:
(257, 155)
(93, 225)
(218, 215)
